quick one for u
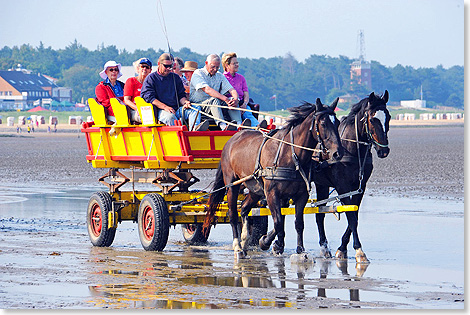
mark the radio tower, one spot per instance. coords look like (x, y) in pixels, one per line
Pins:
(361, 45)
(360, 68)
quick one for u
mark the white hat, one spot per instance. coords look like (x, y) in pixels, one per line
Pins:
(110, 63)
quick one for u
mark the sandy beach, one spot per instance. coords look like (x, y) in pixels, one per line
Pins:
(411, 226)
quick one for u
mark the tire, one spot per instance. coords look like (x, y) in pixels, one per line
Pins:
(99, 205)
(154, 222)
(192, 233)
(259, 228)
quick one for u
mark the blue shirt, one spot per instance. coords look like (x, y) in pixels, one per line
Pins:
(117, 88)
(165, 89)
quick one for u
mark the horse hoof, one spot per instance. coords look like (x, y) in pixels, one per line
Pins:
(341, 254)
(300, 250)
(262, 243)
(361, 257)
(301, 258)
(277, 249)
(325, 252)
(240, 255)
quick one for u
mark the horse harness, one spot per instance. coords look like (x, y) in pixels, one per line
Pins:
(276, 172)
(351, 159)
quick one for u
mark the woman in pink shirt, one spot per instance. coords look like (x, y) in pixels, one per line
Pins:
(238, 82)
(133, 85)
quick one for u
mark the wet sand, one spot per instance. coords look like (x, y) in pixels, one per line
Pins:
(411, 227)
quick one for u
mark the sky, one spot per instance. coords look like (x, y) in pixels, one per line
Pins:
(417, 33)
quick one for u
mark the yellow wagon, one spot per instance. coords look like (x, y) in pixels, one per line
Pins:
(163, 156)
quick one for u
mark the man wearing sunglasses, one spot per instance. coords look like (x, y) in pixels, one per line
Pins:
(164, 89)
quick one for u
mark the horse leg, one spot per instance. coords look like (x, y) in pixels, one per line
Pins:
(360, 255)
(322, 193)
(250, 201)
(232, 194)
(299, 221)
(274, 204)
(353, 218)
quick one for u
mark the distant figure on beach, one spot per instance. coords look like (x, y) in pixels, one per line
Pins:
(164, 89)
(110, 87)
(133, 86)
(208, 86)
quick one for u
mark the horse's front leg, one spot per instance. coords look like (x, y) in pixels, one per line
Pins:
(353, 218)
(232, 195)
(274, 204)
(322, 193)
(299, 220)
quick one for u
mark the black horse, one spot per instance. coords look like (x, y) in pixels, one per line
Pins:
(271, 168)
(366, 125)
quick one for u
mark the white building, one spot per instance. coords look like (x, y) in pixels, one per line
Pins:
(413, 104)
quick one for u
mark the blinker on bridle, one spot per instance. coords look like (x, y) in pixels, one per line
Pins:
(316, 117)
(369, 135)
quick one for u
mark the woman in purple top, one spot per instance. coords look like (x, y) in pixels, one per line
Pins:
(230, 64)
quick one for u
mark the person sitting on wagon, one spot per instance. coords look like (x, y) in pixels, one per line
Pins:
(187, 71)
(177, 69)
(133, 86)
(110, 87)
(230, 65)
(208, 86)
(164, 89)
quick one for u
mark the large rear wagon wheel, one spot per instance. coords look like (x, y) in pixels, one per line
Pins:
(154, 222)
(99, 205)
(192, 233)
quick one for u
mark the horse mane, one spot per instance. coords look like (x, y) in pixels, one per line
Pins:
(356, 108)
(298, 114)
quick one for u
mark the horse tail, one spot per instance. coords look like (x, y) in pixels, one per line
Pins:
(214, 200)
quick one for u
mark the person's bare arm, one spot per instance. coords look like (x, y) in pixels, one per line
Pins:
(128, 102)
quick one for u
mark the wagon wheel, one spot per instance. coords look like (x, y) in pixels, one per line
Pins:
(100, 204)
(192, 233)
(258, 229)
(153, 222)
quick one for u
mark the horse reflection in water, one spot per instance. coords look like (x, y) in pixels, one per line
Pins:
(278, 172)
(366, 125)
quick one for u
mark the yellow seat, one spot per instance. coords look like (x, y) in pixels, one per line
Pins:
(120, 113)
(146, 112)
(97, 112)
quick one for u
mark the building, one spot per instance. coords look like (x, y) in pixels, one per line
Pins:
(20, 89)
(413, 104)
(361, 73)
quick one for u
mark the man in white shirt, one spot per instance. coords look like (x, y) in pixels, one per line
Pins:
(208, 86)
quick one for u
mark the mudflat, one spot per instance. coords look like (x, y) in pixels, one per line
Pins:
(411, 227)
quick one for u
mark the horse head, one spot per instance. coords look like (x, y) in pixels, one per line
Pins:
(326, 130)
(376, 123)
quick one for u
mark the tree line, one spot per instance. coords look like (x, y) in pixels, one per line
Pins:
(291, 81)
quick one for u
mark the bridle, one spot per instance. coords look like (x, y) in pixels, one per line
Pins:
(315, 121)
(370, 136)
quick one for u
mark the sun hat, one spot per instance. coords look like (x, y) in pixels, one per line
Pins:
(189, 66)
(110, 63)
(146, 61)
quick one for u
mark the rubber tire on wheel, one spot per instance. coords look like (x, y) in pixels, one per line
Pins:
(99, 205)
(153, 222)
(259, 228)
(192, 233)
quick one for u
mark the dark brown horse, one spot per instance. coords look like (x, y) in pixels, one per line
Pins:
(366, 125)
(279, 170)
